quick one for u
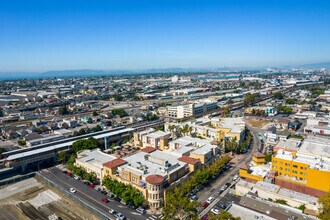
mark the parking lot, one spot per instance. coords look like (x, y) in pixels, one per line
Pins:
(93, 197)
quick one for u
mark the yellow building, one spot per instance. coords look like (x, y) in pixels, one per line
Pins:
(257, 171)
(258, 159)
(301, 172)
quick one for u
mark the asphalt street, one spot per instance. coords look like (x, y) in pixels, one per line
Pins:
(213, 188)
(92, 197)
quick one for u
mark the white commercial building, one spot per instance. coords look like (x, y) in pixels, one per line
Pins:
(194, 108)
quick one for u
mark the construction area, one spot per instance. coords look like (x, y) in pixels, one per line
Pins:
(32, 199)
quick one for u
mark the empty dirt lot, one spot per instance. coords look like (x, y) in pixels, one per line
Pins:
(32, 199)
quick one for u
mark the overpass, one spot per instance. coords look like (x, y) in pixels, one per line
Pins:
(21, 158)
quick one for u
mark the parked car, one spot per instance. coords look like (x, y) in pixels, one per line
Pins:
(210, 199)
(111, 195)
(205, 204)
(105, 200)
(68, 173)
(120, 216)
(235, 177)
(117, 199)
(91, 185)
(141, 210)
(65, 172)
(72, 190)
(111, 211)
(123, 202)
(193, 198)
(76, 177)
(215, 211)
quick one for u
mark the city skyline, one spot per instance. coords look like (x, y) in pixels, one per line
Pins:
(42, 36)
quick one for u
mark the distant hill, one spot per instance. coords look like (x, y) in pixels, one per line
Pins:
(316, 65)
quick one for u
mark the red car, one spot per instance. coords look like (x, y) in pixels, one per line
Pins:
(91, 185)
(205, 204)
(105, 200)
(68, 173)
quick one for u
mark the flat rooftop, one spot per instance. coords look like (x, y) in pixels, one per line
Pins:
(247, 214)
(289, 144)
(259, 170)
(314, 162)
(267, 186)
(157, 162)
(157, 134)
(316, 146)
(94, 157)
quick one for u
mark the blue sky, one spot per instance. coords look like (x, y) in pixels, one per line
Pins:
(41, 35)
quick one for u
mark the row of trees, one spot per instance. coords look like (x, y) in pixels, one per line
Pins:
(118, 111)
(79, 171)
(250, 99)
(178, 205)
(258, 112)
(284, 109)
(125, 191)
(83, 144)
(152, 117)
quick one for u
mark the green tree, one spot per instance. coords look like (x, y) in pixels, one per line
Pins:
(63, 110)
(62, 156)
(79, 171)
(21, 142)
(177, 204)
(324, 211)
(95, 113)
(91, 177)
(71, 162)
(250, 99)
(278, 95)
(90, 143)
(291, 101)
(119, 111)
(226, 111)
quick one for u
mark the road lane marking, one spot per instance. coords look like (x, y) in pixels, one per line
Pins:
(83, 194)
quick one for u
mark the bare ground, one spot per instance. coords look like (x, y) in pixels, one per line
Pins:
(18, 207)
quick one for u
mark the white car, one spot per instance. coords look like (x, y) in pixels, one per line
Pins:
(210, 199)
(215, 211)
(76, 177)
(223, 188)
(111, 211)
(120, 216)
(141, 210)
(72, 190)
(235, 177)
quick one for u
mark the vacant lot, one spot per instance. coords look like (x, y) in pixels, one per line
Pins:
(257, 123)
(30, 199)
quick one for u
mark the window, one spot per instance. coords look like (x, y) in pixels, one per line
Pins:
(135, 180)
(295, 166)
(301, 167)
(294, 171)
(287, 164)
(281, 163)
